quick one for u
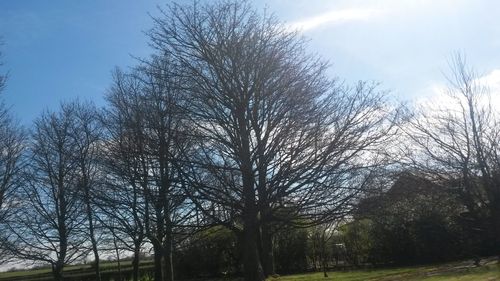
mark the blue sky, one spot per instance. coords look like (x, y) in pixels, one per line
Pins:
(58, 50)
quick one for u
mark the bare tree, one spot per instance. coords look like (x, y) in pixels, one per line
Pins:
(164, 197)
(47, 224)
(11, 146)
(127, 165)
(87, 134)
(456, 145)
(12, 143)
(151, 99)
(276, 139)
(321, 236)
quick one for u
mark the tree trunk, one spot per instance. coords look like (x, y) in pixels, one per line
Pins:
(324, 263)
(158, 276)
(314, 254)
(251, 260)
(323, 256)
(135, 262)
(57, 271)
(93, 241)
(167, 255)
(63, 247)
(120, 278)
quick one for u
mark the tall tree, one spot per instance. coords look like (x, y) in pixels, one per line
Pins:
(48, 225)
(165, 135)
(87, 134)
(276, 139)
(154, 101)
(127, 165)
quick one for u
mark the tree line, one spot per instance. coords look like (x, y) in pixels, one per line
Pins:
(232, 127)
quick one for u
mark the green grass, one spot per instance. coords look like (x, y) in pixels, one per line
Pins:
(463, 271)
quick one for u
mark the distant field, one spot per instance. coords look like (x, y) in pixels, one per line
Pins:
(109, 271)
(462, 271)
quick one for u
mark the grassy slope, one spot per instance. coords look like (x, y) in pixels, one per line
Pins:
(463, 271)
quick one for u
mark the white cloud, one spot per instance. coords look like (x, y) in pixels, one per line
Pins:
(491, 80)
(335, 17)
(438, 94)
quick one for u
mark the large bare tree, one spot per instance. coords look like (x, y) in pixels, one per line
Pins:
(275, 138)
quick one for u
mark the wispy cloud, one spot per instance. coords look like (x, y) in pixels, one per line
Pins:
(335, 17)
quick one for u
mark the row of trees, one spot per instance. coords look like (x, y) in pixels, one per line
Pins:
(229, 125)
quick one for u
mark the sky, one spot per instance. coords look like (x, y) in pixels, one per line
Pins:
(62, 49)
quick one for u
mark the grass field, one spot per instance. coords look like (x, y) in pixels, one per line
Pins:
(463, 271)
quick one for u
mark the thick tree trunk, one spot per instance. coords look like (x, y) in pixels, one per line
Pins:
(57, 271)
(63, 246)
(135, 263)
(158, 276)
(251, 261)
(251, 258)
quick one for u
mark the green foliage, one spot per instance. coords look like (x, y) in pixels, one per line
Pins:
(357, 240)
(291, 251)
(414, 222)
(211, 252)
